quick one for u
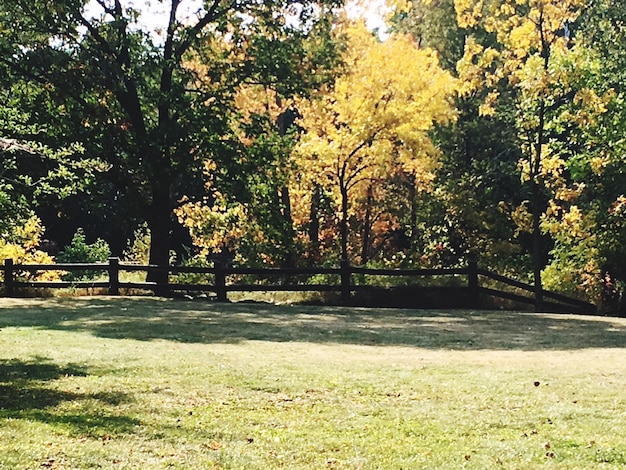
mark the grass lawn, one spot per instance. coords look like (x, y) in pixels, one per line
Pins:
(146, 383)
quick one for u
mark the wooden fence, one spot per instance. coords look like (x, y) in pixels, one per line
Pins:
(469, 287)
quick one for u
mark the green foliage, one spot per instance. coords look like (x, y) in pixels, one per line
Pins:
(478, 181)
(79, 251)
(35, 170)
(156, 105)
(106, 125)
(433, 25)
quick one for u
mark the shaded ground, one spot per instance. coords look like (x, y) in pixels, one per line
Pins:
(208, 322)
(26, 393)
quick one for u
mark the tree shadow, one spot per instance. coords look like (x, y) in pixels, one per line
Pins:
(27, 393)
(210, 322)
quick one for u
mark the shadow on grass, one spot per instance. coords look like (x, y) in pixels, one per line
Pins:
(207, 322)
(27, 392)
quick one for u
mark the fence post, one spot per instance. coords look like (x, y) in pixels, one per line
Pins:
(345, 281)
(220, 281)
(9, 279)
(114, 276)
(472, 284)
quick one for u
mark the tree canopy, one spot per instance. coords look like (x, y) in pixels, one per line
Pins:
(287, 133)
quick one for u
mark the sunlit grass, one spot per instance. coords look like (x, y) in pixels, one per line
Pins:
(150, 383)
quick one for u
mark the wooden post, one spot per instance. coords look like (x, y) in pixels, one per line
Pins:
(472, 284)
(114, 276)
(220, 282)
(345, 281)
(9, 279)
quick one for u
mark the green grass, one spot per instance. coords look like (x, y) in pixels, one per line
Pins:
(148, 384)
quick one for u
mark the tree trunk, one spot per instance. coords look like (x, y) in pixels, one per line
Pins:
(344, 222)
(413, 217)
(159, 225)
(314, 223)
(537, 207)
(367, 226)
(288, 235)
(537, 247)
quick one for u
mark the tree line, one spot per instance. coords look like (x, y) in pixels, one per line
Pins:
(286, 133)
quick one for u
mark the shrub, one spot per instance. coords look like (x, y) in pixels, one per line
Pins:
(21, 246)
(79, 251)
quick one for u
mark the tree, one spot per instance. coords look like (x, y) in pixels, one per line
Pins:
(375, 118)
(246, 209)
(587, 219)
(31, 172)
(464, 218)
(130, 91)
(536, 55)
(35, 169)
(433, 25)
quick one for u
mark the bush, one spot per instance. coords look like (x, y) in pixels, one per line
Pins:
(21, 247)
(79, 251)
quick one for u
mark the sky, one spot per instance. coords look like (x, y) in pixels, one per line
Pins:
(155, 12)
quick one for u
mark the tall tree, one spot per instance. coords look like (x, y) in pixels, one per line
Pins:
(33, 170)
(533, 48)
(478, 173)
(375, 118)
(587, 219)
(126, 87)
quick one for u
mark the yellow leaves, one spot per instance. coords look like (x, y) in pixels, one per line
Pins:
(390, 83)
(471, 72)
(372, 125)
(487, 107)
(523, 39)
(259, 99)
(567, 194)
(618, 208)
(468, 12)
(569, 222)
(552, 166)
(573, 218)
(213, 227)
(529, 35)
(598, 164)
(402, 6)
(523, 218)
(390, 96)
(591, 105)
(23, 248)
(488, 57)
(30, 233)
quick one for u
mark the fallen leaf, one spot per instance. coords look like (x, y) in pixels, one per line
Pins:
(214, 445)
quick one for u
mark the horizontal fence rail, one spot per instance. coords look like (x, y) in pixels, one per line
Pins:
(349, 280)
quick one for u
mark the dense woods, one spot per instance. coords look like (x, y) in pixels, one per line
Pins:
(283, 133)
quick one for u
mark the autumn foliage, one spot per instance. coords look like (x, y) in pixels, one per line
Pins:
(278, 134)
(372, 126)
